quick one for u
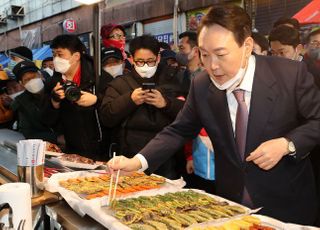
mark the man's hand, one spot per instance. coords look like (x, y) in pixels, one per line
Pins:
(138, 96)
(86, 99)
(125, 164)
(269, 153)
(190, 167)
(59, 93)
(155, 98)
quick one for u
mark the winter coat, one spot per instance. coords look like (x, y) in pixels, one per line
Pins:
(81, 126)
(27, 107)
(135, 125)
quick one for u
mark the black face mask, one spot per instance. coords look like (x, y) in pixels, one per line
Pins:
(314, 54)
(182, 58)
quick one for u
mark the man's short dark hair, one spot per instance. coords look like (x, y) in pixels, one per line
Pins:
(261, 40)
(144, 42)
(284, 20)
(192, 37)
(285, 35)
(70, 42)
(313, 33)
(232, 18)
(164, 46)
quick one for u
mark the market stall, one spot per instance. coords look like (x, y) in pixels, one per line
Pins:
(81, 194)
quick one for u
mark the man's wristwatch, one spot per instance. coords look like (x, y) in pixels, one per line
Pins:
(291, 148)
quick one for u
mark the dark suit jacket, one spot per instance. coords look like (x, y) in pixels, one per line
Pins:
(284, 103)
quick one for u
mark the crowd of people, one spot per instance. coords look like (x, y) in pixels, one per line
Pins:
(218, 112)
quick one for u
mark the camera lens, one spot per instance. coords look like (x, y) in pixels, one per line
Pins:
(71, 91)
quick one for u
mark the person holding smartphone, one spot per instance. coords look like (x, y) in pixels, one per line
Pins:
(141, 103)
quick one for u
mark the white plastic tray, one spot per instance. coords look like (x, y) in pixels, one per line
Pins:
(74, 164)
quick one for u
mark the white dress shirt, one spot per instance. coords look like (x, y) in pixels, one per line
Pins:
(245, 85)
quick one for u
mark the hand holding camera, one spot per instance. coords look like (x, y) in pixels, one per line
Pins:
(68, 90)
(86, 99)
(57, 95)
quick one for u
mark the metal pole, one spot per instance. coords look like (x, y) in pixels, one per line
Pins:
(96, 43)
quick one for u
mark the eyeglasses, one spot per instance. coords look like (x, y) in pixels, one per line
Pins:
(314, 44)
(141, 63)
(117, 36)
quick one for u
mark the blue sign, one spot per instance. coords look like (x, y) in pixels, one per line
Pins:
(167, 38)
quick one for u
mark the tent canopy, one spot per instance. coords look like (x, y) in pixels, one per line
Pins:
(310, 13)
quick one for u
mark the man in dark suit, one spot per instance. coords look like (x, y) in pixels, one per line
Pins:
(262, 115)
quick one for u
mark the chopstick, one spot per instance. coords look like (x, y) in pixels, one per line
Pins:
(111, 181)
(116, 184)
(112, 197)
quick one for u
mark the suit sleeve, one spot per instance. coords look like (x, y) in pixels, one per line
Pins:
(186, 126)
(306, 136)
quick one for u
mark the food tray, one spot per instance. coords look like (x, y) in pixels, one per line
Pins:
(74, 164)
(79, 204)
(104, 215)
(53, 154)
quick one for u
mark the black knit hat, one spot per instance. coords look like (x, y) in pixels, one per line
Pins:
(110, 52)
(22, 52)
(23, 67)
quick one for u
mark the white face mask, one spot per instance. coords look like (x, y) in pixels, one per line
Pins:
(61, 65)
(235, 81)
(49, 71)
(146, 71)
(34, 85)
(115, 70)
(14, 95)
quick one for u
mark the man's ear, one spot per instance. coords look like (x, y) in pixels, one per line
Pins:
(299, 48)
(196, 51)
(158, 58)
(77, 56)
(248, 43)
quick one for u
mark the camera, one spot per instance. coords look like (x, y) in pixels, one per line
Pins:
(71, 91)
(148, 85)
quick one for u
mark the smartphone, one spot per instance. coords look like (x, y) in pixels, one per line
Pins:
(148, 85)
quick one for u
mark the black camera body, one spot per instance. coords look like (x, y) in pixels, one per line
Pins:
(71, 91)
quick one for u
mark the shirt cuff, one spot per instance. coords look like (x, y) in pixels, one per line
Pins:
(143, 161)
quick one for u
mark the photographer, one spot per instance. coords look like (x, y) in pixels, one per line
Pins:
(71, 92)
(141, 103)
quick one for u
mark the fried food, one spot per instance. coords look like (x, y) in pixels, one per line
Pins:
(98, 186)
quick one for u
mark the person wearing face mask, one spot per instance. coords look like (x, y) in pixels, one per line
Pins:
(112, 64)
(135, 113)
(77, 115)
(27, 106)
(312, 56)
(47, 65)
(262, 126)
(189, 57)
(285, 42)
(19, 54)
(114, 35)
(16, 55)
